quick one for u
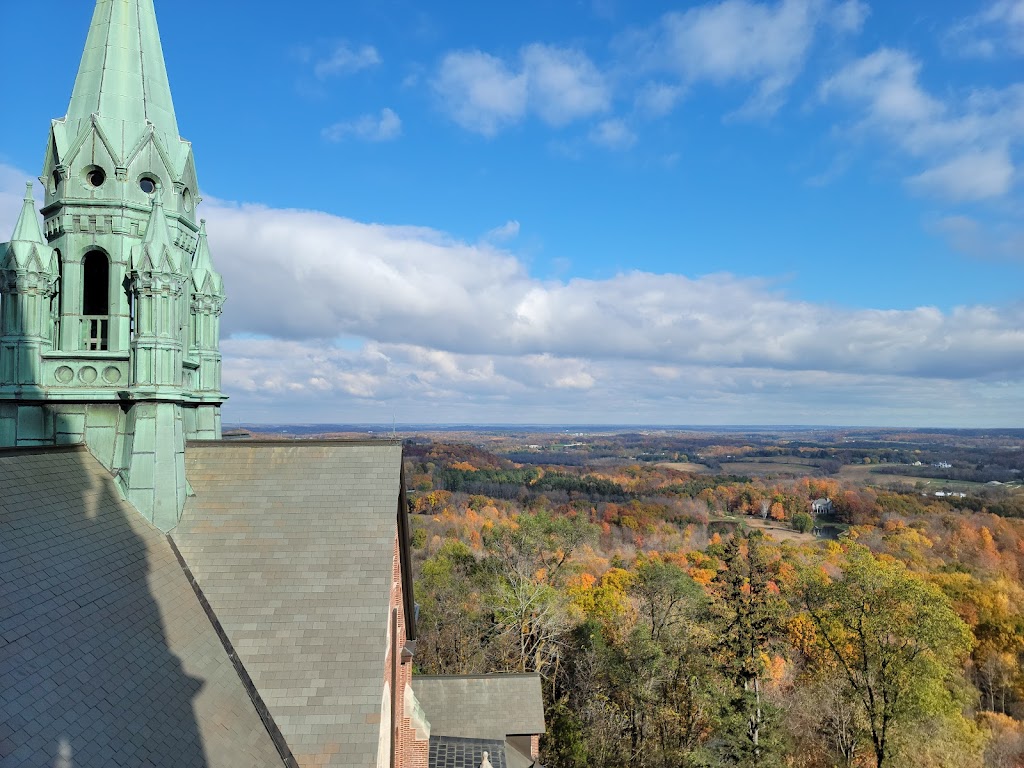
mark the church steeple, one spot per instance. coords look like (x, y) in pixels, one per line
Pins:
(106, 336)
(122, 77)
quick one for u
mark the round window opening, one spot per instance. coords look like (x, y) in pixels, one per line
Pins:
(95, 177)
(186, 201)
(147, 184)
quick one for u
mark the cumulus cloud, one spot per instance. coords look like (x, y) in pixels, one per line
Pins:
(480, 92)
(346, 60)
(741, 41)
(484, 94)
(964, 143)
(383, 127)
(997, 29)
(414, 286)
(563, 84)
(334, 319)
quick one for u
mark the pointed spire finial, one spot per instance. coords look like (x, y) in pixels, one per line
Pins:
(122, 77)
(202, 265)
(27, 229)
(158, 239)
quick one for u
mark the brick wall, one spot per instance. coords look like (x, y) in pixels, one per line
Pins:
(411, 752)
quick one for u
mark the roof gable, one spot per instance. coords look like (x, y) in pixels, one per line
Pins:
(292, 544)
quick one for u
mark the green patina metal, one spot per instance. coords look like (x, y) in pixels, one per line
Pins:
(110, 314)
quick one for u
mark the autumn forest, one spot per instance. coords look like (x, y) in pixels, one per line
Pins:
(805, 599)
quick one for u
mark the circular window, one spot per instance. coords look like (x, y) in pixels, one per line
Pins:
(186, 201)
(147, 184)
(95, 176)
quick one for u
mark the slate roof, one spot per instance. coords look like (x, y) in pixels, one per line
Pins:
(292, 543)
(106, 655)
(481, 706)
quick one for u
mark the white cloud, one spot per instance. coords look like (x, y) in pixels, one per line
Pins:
(333, 319)
(418, 287)
(507, 231)
(480, 92)
(346, 60)
(658, 99)
(886, 82)
(972, 176)
(740, 41)
(997, 29)
(850, 16)
(613, 134)
(484, 94)
(383, 127)
(564, 85)
(963, 142)
(981, 239)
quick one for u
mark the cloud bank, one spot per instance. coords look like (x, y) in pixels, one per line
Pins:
(361, 317)
(331, 319)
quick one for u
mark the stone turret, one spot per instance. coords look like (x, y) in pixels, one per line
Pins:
(29, 275)
(207, 303)
(111, 312)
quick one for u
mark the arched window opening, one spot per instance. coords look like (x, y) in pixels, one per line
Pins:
(57, 302)
(130, 296)
(95, 301)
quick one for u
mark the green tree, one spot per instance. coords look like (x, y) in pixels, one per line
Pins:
(750, 611)
(452, 624)
(895, 639)
(530, 560)
(802, 522)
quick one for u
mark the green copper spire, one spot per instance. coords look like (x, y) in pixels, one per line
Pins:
(122, 76)
(105, 336)
(27, 229)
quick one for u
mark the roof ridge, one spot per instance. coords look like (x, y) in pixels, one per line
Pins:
(481, 676)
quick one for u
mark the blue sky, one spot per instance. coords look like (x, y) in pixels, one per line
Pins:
(803, 211)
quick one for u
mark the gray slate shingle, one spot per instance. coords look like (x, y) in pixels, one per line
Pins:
(481, 706)
(292, 544)
(106, 657)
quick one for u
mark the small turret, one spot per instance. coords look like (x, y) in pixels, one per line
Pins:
(29, 274)
(207, 305)
(158, 279)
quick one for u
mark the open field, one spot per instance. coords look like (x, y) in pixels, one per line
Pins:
(778, 531)
(779, 466)
(686, 466)
(867, 475)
